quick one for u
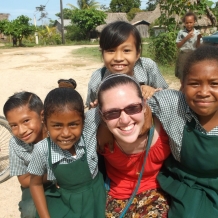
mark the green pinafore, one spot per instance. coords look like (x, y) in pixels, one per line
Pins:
(193, 182)
(79, 196)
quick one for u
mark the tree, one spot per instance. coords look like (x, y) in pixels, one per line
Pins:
(85, 4)
(67, 13)
(131, 14)
(19, 28)
(124, 5)
(151, 5)
(180, 7)
(88, 19)
(43, 13)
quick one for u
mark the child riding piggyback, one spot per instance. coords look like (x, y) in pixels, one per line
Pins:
(121, 46)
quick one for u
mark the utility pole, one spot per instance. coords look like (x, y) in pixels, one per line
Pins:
(62, 23)
(36, 33)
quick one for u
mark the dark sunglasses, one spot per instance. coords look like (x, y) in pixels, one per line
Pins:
(115, 113)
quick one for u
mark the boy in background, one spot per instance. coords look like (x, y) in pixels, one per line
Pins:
(187, 41)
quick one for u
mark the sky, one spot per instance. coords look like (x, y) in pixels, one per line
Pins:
(28, 7)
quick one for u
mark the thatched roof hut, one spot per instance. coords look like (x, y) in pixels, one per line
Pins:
(148, 16)
(112, 17)
(4, 16)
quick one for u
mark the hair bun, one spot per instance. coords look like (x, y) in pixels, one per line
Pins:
(67, 83)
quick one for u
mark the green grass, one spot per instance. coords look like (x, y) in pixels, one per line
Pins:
(92, 53)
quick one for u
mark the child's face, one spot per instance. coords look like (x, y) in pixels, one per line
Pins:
(25, 124)
(122, 58)
(201, 89)
(125, 128)
(65, 128)
(189, 23)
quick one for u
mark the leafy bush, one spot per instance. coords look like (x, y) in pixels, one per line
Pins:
(163, 47)
(74, 33)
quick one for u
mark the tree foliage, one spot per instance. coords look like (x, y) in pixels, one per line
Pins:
(85, 4)
(18, 28)
(124, 5)
(88, 19)
(67, 13)
(131, 14)
(151, 5)
(171, 8)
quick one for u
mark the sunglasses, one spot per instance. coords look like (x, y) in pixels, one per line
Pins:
(115, 113)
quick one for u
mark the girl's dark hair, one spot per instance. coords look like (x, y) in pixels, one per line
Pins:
(188, 14)
(60, 98)
(115, 80)
(202, 53)
(21, 99)
(118, 32)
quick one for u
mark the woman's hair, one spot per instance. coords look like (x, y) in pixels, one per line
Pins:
(118, 32)
(57, 100)
(188, 14)
(202, 53)
(115, 80)
(20, 99)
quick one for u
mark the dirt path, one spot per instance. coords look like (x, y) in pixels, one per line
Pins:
(38, 70)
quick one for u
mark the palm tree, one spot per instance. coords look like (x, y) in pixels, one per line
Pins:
(85, 4)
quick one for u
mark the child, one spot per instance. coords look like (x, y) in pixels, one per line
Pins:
(120, 44)
(187, 40)
(190, 118)
(68, 156)
(23, 112)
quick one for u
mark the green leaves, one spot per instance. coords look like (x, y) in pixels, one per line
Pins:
(124, 5)
(88, 19)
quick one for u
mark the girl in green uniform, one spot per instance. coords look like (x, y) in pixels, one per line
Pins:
(190, 118)
(69, 157)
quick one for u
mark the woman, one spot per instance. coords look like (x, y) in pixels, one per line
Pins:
(140, 147)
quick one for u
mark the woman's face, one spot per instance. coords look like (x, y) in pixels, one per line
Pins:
(125, 128)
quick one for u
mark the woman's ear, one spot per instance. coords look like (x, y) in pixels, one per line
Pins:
(147, 120)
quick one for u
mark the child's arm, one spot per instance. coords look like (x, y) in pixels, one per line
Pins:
(37, 192)
(24, 180)
(183, 41)
(198, 40)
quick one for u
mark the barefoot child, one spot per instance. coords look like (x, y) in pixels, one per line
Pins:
(190, 118)
(120, 45)
(23, 112)
(187, 41)
(69, 157)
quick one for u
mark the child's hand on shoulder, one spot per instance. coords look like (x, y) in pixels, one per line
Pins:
(147, 91)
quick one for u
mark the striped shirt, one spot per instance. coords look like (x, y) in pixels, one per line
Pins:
(19, 156)
(39, 164)
(170, 107)
(145, 70)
